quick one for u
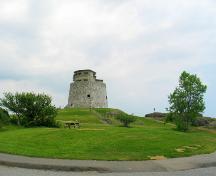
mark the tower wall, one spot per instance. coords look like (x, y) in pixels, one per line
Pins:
(86, 91)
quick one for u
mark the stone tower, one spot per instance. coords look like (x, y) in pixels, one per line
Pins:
(87, 91)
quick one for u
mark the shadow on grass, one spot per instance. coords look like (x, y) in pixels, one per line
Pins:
(126, 127)
(190, 130)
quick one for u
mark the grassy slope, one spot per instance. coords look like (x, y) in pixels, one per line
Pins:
(95, 140)
(82, 115)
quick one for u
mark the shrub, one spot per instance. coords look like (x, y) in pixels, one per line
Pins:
(125, 119)
(201, 121)
(13, 119)
(4, 117)
(212, 125)
(156, 114)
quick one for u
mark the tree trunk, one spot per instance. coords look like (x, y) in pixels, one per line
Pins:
(18, 120)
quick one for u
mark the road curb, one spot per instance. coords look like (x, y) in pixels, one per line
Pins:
(45, 164)
(175, 164)
(52, 167)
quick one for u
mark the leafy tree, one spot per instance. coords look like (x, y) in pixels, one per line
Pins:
(31, 109)
(125, 119)
(187, 102)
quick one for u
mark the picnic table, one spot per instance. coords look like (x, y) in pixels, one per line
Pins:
(70, 124)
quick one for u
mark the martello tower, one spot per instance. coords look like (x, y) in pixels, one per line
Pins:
(87, 91)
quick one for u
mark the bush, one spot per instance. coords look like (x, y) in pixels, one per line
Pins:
(201, 121)
(125, 119)
(156, 114)
(4, 117)
(212, 125)
(30, 109)
(13, 119)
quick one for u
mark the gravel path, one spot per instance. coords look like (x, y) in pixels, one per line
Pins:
(12, 171)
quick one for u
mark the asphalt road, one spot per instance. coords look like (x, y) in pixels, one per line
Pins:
(12, 171)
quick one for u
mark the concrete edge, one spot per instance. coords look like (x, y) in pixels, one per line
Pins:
(175, 164)
(53, 167)
(206, 165)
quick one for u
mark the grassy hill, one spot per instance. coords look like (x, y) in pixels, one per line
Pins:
(102, 138)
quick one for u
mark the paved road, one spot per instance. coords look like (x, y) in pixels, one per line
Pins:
(12, 171)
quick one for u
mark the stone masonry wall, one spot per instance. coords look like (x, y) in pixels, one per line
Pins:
(87, 92)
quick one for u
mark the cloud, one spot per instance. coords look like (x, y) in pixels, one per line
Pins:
(27, 86)
(13, 11)
(138, 47)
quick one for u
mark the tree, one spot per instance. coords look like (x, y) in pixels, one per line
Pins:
(187, 100)
(125, 119)
(31, 109)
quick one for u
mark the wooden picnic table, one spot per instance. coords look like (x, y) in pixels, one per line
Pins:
(74, 124)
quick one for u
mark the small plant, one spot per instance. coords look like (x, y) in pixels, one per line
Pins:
(125, 119)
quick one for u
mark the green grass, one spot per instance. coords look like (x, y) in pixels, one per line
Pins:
(82, 115)
(98, 141)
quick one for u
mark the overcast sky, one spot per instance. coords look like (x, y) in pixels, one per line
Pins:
(138, 47)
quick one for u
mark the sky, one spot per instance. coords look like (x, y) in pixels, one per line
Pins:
(138, 47)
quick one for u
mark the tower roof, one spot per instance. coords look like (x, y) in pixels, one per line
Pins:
(85, 70)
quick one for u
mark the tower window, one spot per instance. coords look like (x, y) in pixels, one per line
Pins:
(88, 95)
(106, 97)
